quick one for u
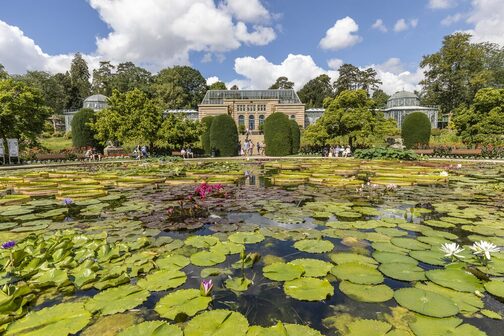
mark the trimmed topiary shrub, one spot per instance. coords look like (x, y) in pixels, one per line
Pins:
(296, 136)
(224, 136)
(205, 137)
(416, 130)
(278, 135)
(82, 134)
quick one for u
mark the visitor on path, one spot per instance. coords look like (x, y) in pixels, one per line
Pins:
(190, 153)
(144, 152)
(347, 152)
(251, 148)
(89, 154)
(337, 151)
(137, 153)
(183, 153)
(246, 147)
(258, 147)
(95, 154)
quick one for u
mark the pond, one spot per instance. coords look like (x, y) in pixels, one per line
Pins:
(294, 247)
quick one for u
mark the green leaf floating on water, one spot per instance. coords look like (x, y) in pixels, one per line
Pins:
(455, 279)
(428, 326)
(172, 262)
(282, 272)
(495, 288)
(430, 257)
(162, 280)
(467, 302)
(184, 301)
(341, 258)
(217, 323)
(283, 329)
(238, 284)
(201, 241)
(368, 328)
(308, 289)
(314, 245)
(60, 320)
(246, 237)
(389, 257)
(410, 244)
(313, 267)
(117, 300)
(366, 293)
(425, 302)
(402, 271)
(207, 258)
(152, 328)
(358, 273)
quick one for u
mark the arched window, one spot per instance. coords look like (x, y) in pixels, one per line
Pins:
(251, 122)
(241, 120)
(261, 120)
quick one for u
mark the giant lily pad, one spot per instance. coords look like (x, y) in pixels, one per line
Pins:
(366, 293)
(313, 267)
(201, 241)
(152, 328)
(402, 271)
(162, 280)
(429, 257)
(282, 272)
(467, 302)
(495, 288)
(207, 258)
(60, 320)
(357, 273)
(217, 323)
(308, 289)
(184, 301)
(283, 329)
(410, 244)
(314, 245)
(246, 237)
(427, 326)
(341, 258)
(368, 328)
(455, 279)
(425, 302)
(388, 257)
(117, 300)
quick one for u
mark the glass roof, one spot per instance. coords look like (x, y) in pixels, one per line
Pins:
(217, 97)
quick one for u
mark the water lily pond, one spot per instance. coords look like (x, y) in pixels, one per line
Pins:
(300, 247)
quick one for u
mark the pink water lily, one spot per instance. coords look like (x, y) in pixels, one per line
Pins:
(206, 287)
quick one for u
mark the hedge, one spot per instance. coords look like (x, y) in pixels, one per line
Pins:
(416, 130)
(296, 136)
(82, 134)
(278, 135)
(224, 136)
(205, 137)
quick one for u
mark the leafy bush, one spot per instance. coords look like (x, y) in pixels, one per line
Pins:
(416, 130)
(205, 137)
(224, 136)
(386, 154)
(296, 136)
(82, 134)
(278, 135)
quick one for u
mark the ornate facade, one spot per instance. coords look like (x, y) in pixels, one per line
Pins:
(403, 103)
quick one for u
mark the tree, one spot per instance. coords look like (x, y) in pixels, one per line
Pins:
(50, 86)
(224, 135)
(131, 118)
(235, 87)
(177, 132)
(205, 137)
(79, 78)
(180, 87)
(455, 73)
(295, 136)
(416, 130)
(22, 111)
(282, 83)
(483, 121)
(102, 79)
(349, 119)
(82, 133)
(368, 80)
(315, 91)
(128, 77)
(380, 98)
(278, 135)
(352, 78)
(218, 86)
(3, 72)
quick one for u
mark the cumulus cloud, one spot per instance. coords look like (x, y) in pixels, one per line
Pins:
(452, 19)
(379, 25)
(487, 16)
(442, 4)
(341, 35)
(335, 63)
(402, 25)
(212, 80)
(395, 77)
(248, 10)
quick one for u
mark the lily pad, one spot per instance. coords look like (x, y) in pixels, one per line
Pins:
(282, 272)
(410, 244)
(425, 302)
(427, 326)
(238, 284)
(495, 288)
(207, 258)
(357, 273)
(368, 328)
(366, 293)
(388, 257)
(117, 300)
(341, 258)
(217, 323)
(162, 280)
(429, 257)
(184, 301)
(172, 262)
(455, 279)
(313, 267)
(152, 328)
(403, 272)
(314, 245)
(246, 237)
(283, 329)
(308, 289)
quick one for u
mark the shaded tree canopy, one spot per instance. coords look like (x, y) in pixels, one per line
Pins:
(315, 91)
(352, 78)
(51, 87)
(218, 86)
(180, 87)
(380, 98)
(177, 132)
(282, 83)
(79, 79)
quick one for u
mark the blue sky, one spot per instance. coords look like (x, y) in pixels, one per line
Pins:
(225, 39)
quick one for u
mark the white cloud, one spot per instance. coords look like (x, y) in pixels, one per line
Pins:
(259, 73)
(395, 78)
(335, 63)
(402, 25)
(341, 35)
(248, 10)
(379, 25)
(261, 36)
(452, 19)
(442, 4)
(212, 80)
(488, 19)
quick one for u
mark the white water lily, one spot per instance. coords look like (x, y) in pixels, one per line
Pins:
(452, 250)
(443, 173)
(484, 248)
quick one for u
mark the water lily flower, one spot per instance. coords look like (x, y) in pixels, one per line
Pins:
(9, 244)
(484, 248)
(206, 287)
(452, 250)
(391, 186)
(459, 166)
(68, 201)
(444, 173)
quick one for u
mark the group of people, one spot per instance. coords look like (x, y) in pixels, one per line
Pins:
(92, 154)
(247, 149)
(140, 152)
(337, 151)
(187, 153)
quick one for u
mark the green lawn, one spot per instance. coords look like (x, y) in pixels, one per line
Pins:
(56, 144)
